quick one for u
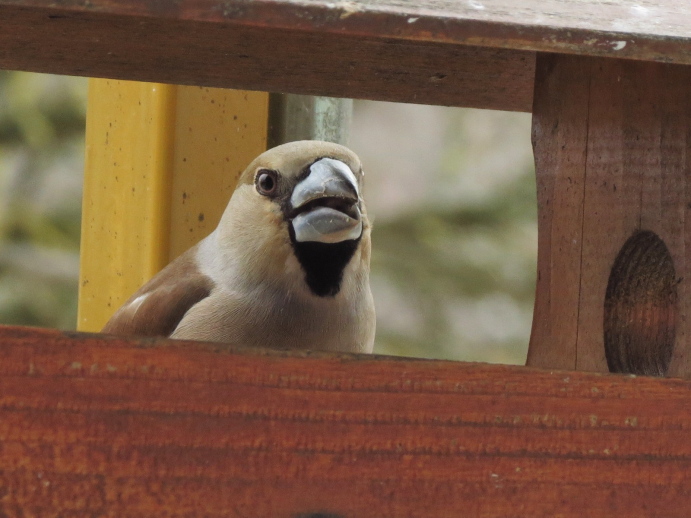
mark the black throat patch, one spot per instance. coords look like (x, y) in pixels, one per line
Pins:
(323, 263)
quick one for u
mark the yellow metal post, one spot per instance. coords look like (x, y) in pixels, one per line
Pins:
(161, 163)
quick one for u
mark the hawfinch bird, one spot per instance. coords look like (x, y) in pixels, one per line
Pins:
(287, 266)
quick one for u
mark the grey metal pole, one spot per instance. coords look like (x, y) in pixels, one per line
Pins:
(305, 117)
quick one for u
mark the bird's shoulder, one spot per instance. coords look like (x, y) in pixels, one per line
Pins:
(158, 306)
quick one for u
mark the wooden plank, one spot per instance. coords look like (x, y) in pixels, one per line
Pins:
(477, 53)
(107, 38)
(92, 424)
(612, 145)
(646, 29)
(207, 48)
(562, 92)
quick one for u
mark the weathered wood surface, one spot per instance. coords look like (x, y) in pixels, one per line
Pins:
(92, 425)
(645, 29)
(612, 150)
(475, 53)
(210, 49)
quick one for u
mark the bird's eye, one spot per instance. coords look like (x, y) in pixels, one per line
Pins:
(266, 182)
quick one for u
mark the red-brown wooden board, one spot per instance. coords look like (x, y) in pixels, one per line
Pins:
(126, 41)
(612, 147)
(97, 426)
(645, 29)
(477, 53)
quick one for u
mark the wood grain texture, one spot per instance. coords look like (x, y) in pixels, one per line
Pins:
(612, 145)
(476, 53)
(646, 29)
(187, 45)
(93, 425)
(562, 92)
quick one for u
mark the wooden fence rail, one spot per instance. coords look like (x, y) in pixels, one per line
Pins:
(92, 425)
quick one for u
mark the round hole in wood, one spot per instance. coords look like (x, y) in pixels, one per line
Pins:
(641, 307)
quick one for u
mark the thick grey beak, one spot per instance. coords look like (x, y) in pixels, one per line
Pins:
(326, 204)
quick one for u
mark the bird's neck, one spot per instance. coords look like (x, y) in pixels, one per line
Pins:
(324, 264)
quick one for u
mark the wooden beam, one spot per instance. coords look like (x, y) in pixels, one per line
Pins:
(206, 47)
(612, 147)
(477, 54)
(646, 30)
(92, 424)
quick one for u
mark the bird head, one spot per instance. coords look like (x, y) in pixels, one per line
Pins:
(298, 212)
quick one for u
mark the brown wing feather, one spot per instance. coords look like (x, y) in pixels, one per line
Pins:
(169, 295)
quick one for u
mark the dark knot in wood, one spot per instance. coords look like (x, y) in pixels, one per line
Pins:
(641, 307)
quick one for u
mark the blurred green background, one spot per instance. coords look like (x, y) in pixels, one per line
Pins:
(41, 164)
(452, 193)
